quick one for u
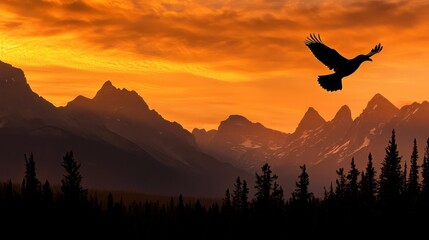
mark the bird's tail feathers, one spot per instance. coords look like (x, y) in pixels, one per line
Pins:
(331, 82)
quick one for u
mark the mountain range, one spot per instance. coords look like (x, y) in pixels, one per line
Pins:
(122, 144)
(323, 146)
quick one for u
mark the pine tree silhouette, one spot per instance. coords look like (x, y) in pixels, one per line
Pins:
(244, 197)
(301, 194)
(71, 188)
(369, 183)
(352, 184)
(341, 182)
(236, 195)
(413, 178)
(30, 183)
(227, 200)
(425, 174)
(391, 180)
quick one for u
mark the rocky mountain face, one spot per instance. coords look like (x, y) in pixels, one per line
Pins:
(120, 142)
(240, 142)
(18, 101)
(323, 146)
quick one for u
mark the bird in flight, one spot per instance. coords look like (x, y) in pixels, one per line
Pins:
(342, 66)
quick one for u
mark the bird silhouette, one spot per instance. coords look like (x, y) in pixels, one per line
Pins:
(334, 61)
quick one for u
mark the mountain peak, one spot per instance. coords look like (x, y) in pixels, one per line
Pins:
(107, 89)
(378, 110)
(311, 120)
(378, 96)
(108, 84)
(79, 101)
(343, 113)
(377, 100)
(17, 96)
(234, 121)
(12, 77)
(237, 118)
(110, 96)
(380, 102)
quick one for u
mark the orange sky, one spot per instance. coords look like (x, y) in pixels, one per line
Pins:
(198, 61)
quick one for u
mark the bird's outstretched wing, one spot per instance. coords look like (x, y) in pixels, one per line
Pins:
(375, 50)
(328, 56)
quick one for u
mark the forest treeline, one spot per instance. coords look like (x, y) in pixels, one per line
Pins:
(393, 199)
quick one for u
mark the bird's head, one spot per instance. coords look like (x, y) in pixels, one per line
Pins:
(363, 58)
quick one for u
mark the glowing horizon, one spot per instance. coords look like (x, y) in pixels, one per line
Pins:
(197, 62)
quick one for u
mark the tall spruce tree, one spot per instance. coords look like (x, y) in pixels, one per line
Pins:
(369, 183)
(71, 187)
(341, 181)
(331, 193)
(301, 193)
(362, 182)
(30, 184)
(236, 194)
(413, 177)
(244, 196)
(391, 180)
(264, 185)
(352, 184)
(425, 173)
(404, 180)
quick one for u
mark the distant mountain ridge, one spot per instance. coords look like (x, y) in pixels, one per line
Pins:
(323, 146)
(240, 142)
(120, 142)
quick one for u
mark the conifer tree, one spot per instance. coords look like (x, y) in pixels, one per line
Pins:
(352, 185)
(71, 187)
(277, 197)
(425, 174)
(265, 192)
(369, 183)
(391, 180)
(325, 193)
(413, 178)
(330, 199)
(331, 193)
(236, 195)
(244, 197)
(404, 181)
(30, 183)
(301, 193)
(340, 190)
(362, 182)
(227, 200)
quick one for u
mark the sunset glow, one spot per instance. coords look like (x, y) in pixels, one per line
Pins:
(198, 61)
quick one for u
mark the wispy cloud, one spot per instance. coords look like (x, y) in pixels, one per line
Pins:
(224, 35)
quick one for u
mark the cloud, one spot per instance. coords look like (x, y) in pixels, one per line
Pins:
(222, 35)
